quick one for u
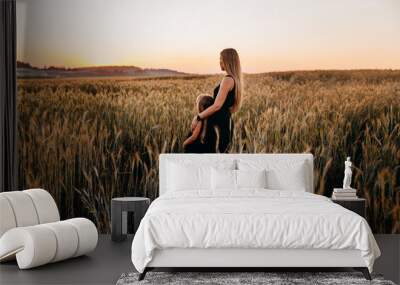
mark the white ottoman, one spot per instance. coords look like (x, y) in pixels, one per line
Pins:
(31, 232)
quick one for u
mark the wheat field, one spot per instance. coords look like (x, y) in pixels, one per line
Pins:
(87, 140)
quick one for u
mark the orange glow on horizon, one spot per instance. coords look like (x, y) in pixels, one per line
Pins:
(187, 36)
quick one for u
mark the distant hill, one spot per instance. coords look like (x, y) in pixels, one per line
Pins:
(26, 70)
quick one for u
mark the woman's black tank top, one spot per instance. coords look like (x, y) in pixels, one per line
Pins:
(230, 98)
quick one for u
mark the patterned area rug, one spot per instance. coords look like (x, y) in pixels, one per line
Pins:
(242, 278)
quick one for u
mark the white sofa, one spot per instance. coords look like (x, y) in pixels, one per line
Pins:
(31, 230)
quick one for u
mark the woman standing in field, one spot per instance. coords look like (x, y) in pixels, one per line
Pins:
(227, 100)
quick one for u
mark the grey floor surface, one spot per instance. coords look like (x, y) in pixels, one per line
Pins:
(103, 266)
(110, 260)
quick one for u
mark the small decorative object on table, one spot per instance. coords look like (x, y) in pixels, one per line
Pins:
(346, 192)
(119, 208)
(347, 174)
(347, 196)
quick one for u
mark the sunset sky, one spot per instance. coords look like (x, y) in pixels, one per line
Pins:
(187, 35)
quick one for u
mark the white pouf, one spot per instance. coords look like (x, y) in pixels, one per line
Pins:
(31, 230)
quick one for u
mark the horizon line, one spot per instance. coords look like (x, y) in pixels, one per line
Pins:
(212, 73)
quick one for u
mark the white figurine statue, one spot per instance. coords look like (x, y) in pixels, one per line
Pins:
(347, 174)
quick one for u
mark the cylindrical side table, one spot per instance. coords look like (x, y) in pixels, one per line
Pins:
(119, 214)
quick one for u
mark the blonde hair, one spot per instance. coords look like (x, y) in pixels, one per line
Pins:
(231, 61)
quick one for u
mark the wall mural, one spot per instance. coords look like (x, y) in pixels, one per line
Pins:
(104, 87)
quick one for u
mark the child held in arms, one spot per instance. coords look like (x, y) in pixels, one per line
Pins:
(203, 138)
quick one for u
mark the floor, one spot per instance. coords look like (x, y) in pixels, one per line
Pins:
(110, 260)
(389, 262)
(103, 266)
